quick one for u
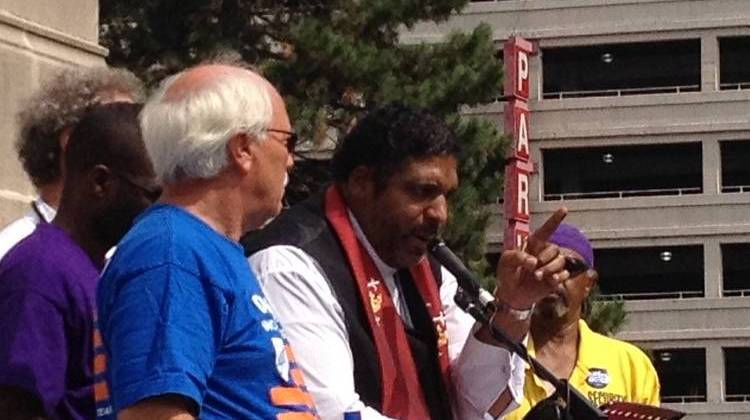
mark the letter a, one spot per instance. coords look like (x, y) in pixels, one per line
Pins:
(522, 148)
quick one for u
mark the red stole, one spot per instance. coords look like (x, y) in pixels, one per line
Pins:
(402, 392)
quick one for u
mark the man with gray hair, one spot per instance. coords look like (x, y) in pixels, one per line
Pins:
(185, 326)
(45, 124)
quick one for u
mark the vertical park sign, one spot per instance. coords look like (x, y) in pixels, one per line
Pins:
(518, 168)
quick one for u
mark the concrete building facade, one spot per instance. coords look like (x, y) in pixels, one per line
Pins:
(709, 113)
(37, 38)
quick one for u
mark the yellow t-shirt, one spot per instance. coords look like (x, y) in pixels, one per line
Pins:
(606, 370)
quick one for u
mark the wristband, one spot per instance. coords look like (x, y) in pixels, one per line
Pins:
(518, 314)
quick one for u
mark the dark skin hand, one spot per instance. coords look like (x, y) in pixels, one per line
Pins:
(525, 276)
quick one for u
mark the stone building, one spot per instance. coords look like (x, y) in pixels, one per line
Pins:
(36, 39)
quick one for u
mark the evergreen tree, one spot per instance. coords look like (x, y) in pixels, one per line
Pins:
(606, 317)
(332, 61)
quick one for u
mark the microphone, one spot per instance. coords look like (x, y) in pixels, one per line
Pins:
(466, 279)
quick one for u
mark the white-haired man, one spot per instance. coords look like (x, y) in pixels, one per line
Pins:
(185, 326)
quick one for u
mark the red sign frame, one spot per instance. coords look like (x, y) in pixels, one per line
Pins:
(517, 214)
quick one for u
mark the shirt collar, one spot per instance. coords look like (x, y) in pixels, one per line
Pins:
(46, 211)
(531, 378)
(584, 336)
(385, 269)
(584, 344)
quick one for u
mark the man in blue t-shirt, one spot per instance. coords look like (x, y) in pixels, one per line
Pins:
(48, 280)
(184, 323)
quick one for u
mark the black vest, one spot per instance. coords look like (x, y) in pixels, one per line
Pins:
(306, 227)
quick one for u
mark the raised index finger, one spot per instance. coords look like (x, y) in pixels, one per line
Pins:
(542, 235)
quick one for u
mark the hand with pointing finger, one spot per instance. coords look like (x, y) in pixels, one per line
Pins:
(526, 276)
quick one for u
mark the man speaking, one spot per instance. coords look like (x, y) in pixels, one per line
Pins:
(372, 320)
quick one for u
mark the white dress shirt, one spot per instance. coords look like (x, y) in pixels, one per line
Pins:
(313, 322)
(21, 228)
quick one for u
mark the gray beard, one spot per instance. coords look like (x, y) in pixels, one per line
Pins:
(561, 309)
(558, 310)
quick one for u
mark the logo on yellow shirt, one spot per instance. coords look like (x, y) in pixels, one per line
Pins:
(598, 378)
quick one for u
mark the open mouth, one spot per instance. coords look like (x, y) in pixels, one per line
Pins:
(423, 238)
(425, 235)
(550, 298)
(422, 241)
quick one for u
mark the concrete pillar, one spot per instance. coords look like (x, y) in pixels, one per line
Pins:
(711, 167)
(714, 373)
(536, 81)
(37, 38)
(536, 183)
(712, 268)
(709, 63)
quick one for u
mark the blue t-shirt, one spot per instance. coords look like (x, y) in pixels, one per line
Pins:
(180, 312)
(47, 285)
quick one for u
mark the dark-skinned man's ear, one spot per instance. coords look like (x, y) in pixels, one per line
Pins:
(100, 176)
(361, 181)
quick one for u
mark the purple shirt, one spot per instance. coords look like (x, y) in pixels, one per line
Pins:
(47, 295)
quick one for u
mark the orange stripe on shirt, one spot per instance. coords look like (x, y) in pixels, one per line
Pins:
(297, 376)
(101, 391)
(97, 338)
(295, 416)
(290, 396)
(100, 364)
(289, 353)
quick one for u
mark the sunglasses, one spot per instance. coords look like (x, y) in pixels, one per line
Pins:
(575, 266)
(291, 140)
(151, 192)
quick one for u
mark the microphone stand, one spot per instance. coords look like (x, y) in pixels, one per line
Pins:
(576, 404)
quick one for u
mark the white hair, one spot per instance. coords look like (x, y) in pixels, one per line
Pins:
(186, 137)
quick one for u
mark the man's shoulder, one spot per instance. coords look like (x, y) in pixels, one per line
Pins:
(48, 263)
(17, 230)
(282, 258)
(149, 243)
(26, 223)
(297, 226)
(157, 219)
(167, 237)
(46, 246)
(166, 226)
(614, 347)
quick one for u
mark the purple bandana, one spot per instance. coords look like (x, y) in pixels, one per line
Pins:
(568, 236)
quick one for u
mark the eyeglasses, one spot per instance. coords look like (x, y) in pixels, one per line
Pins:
(151, 192)
(291, 140)
(575, 266)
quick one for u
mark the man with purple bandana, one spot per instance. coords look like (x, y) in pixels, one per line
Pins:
(602, 368)
(48, 280)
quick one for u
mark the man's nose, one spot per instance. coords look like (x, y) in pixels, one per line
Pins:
(289, 161)
(438, 210)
